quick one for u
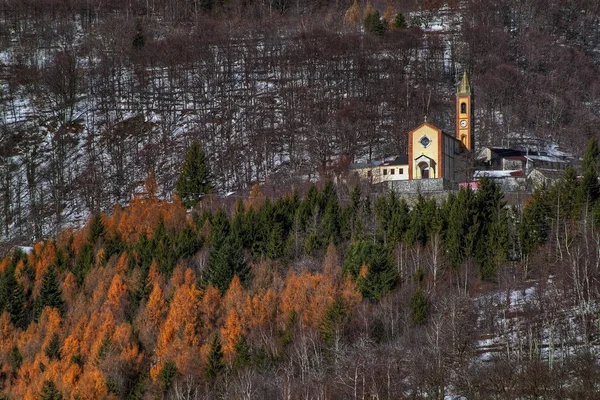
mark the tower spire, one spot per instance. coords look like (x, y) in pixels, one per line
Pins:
(465, 86)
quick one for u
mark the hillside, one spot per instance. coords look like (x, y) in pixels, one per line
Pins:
(95, 94)
(311, 297)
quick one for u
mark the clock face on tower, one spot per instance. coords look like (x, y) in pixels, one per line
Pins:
(463, 123)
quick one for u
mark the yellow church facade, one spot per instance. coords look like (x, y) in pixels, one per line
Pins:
(432, 153)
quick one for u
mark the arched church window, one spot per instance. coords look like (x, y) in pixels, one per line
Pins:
(463, 108)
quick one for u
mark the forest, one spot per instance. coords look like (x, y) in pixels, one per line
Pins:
(311, 297)
(95, 94)
(177, 221)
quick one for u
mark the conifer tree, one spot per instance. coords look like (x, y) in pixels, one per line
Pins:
(214, 362)
(418, 307)
(195, 179)
(85, 261)
(50, 391)
(167, 374)
(590, 168)
(16, 359)
(50, 293)
(225, 260)
(352, 15)
(370, 264)
(138, 40)
(52, 351)
(374, 25)
(96, 229)
(276, 244)
(399, 21)
(16, 307)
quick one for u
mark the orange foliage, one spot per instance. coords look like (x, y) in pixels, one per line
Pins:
(4, 264)
(210, 309)
(255, 199)
(156, 309)
(153, 274)
(69, 288)
(231, 333)
(309, 295)
(144, 212)
(178, 338)
(364, 271)
(116, 298)
(123, 263)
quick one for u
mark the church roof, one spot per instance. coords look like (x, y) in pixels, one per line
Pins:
(465, 86)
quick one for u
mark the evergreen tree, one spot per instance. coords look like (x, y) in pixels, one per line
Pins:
(418, 307)
(374, 25)
(52, 351)
(276, 244)
(187, 242)
(242, 353)
(167, 374)
(164, 254)
(139, 39)
(590, 168)
(399, 21)
(16, 359)
(331, 221)
(84, 262)
(333, 323)
(371, 265)
(225, 260)
(16, 307)
(96, 229)
(535, 226)
(195, 178)
(214, 363)
(50, 293)
(50, 391)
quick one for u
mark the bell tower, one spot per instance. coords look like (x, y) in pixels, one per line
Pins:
(464, 113)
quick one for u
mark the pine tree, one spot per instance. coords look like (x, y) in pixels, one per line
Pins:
(50, 391)
(16, 307)
(195, 178)
(138, 40)
(167, 374)
(374, 25)
(50, 293)
(85, 261)
(16, 359)
(418, 307)
(187, 242)
(52, 351)
(96, 229)
(370, 264)
(214, 363)
(399, 21)
(225, 260)
(276, 244)
(590, 168)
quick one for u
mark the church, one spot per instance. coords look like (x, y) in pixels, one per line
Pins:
(433, 155)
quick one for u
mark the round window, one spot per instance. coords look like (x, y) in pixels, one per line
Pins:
(425, 141)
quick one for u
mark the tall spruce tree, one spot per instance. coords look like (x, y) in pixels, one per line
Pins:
(590, 167)
(214, 362)
(374, 24)
(50, 294)
(195, 179)
(371, 265)
(50, 391)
